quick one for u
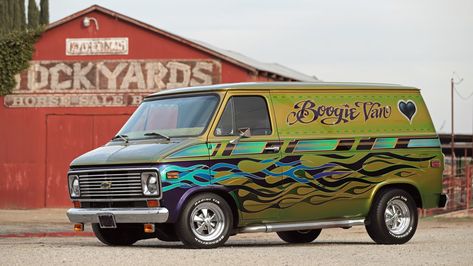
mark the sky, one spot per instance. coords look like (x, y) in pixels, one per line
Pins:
(420, 43)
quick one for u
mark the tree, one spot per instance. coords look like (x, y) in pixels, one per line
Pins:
(15, 15)
(12, 15)
(19, 20)
(44, 13)
(33, 14)
(3, 18)
(22, 15)
(9, 14)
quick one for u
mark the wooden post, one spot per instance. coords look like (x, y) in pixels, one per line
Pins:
(468, 174)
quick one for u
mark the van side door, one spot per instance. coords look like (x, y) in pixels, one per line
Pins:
(316, 183)
(246, 155)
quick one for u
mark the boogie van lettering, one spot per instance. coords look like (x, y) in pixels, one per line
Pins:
(308, 111)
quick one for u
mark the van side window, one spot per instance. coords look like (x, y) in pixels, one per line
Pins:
(244, 112)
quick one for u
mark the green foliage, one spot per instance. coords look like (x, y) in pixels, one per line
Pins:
(33, 14)
(16, 51)
(44, 13)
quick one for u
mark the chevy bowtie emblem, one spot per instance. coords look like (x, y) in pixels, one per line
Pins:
(106, 185)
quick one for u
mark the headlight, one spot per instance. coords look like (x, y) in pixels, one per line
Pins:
(149, 183)
(74, 189)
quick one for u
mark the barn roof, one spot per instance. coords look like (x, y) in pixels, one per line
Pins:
(271, 70)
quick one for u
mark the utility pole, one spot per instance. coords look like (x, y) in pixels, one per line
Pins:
(452, 143)
(452, 138)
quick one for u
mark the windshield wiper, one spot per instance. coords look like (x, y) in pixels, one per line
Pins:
(156, 134)
(122, 137)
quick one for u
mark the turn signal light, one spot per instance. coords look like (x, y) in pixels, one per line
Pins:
(78, 227)
(435, 164)
(152, 203)
(172, 175)
(149, 228)
(76, 204)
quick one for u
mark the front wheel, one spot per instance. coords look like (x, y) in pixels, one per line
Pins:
(305, 236)
(393, 217)
(123, 235)
(205, 221)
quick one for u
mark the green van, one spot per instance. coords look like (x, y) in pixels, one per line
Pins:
(200, 164)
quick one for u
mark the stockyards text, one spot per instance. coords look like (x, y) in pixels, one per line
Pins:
(106, 83)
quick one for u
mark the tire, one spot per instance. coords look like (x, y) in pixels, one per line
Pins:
(393, 217)
(123, 235)
(205, 222)
(166, 233)
(305, 236)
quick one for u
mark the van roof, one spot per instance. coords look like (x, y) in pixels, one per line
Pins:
(285, 86)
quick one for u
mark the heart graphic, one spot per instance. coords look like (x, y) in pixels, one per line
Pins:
(408, 109)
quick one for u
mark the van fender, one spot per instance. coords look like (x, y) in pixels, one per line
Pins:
(390, 182)
(217, 189)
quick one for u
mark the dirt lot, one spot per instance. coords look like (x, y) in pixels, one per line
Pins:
(443, 241)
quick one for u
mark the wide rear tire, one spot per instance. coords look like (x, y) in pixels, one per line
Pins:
(305, 236)
(393, 217)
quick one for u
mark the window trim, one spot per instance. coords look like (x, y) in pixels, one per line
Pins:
(268, 111)
(186, 95)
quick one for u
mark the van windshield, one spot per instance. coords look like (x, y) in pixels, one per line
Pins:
(171, 117)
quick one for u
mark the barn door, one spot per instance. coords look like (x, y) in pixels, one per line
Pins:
(69, 136)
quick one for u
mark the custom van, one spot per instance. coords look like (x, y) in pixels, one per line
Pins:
(200, 164)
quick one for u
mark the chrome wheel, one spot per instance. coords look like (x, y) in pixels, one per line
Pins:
(397, 216)
(207, 221)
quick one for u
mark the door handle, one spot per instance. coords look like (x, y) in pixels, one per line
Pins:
(272, 149)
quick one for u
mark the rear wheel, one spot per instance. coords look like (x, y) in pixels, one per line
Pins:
(301, 236)
(123, 235)
(393, 217)
(205, 221)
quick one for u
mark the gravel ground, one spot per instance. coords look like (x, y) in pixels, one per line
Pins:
(443, 241)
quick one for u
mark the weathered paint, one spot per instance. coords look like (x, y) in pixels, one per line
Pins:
(106, 83)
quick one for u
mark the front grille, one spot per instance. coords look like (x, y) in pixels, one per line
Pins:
(114, 204)
(110, 184)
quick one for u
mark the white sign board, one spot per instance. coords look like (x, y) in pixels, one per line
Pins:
(97, 46)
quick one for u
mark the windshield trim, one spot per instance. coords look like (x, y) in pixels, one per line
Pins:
(186, 95)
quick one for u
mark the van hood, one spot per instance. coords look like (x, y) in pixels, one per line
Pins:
(134, 152)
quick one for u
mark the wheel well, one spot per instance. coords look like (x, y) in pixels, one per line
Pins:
(226, 196)
(412, 190)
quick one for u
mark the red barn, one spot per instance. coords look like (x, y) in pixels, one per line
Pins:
(89, 72)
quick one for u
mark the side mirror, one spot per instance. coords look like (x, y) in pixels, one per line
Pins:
(244, 133)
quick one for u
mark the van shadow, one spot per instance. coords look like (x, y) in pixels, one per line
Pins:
(254, 244)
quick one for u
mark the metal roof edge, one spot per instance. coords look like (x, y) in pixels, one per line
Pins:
(285, 85)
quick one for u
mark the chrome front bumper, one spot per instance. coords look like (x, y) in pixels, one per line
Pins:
(122, 215)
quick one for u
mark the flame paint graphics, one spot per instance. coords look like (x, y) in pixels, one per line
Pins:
(311, 179)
